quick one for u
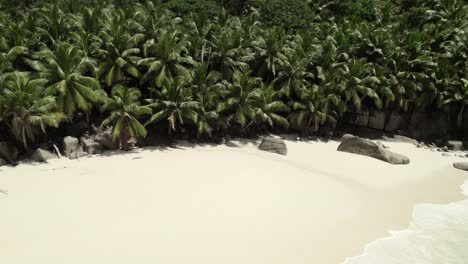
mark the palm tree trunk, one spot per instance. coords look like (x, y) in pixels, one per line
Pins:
(460, 115)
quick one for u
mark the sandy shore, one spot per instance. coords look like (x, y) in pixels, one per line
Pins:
(215, 204)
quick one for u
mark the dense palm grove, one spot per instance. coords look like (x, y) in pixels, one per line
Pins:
(201, 68)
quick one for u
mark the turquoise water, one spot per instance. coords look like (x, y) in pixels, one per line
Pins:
(438, 234)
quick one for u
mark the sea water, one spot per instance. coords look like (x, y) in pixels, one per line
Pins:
(438, 234)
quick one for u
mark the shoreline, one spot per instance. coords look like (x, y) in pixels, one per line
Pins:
(307, 200)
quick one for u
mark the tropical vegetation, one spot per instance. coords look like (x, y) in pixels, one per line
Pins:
(202, 68)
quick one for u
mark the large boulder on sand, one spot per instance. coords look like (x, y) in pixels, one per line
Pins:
(70, 145)
(92, 147)
(8, 152)
(274, 145)
(105, 139)
(72, 148)
(78, 154)
(461, 165)
(357, 145)
(455, 145)
(41, 155)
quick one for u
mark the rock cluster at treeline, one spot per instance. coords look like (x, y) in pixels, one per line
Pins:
(72, 148)
(361, 146)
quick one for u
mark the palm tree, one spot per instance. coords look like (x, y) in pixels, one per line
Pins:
(174, 103)
(207, 90)
(314, 107)
(226, 56)
(64, 69)
(270, 107)
(119, 55)
(293, 77)
(125, 109)
(54, 25)
(165, 58)
(270, 53)
(242, 98)
(457, 93)
(26, 110)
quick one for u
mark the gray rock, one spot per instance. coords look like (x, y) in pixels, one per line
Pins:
(231, 144)
(455, 145)
(377, 120)
(345, 136)
(92, 147)
(274, 145)
(362, 118)
(78, 154)
(466, 155)
(445, 148)
(105, 139)
(404, 139)
(461, 165)
(8, 152)
(394, 123)
(357, 145)
(428, 125)
(446, 155)
(400, 139)
(70, 145)
(41, 155)
(3, 162)
(461, 156)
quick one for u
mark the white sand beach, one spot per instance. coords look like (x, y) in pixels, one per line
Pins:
(215, 204)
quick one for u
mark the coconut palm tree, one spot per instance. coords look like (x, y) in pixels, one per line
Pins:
(457, 94)
(243, 95)
(120, 53)
(65, 69)
(124, 108)
(54, 24)
(226, 56)
(313, 107)
(270, 53)
(270, 107)
(174, 103)
(293, 77)
(207, 89)
(26, 109)
(165, 58)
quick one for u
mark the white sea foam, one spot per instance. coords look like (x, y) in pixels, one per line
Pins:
(438, 234)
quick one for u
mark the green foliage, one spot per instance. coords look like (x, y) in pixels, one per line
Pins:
(174, 104)
(65, 69)
(25, 108)
(125, 109)
(352, 9)
(186, 7)
(288, 14)
(204, 67)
